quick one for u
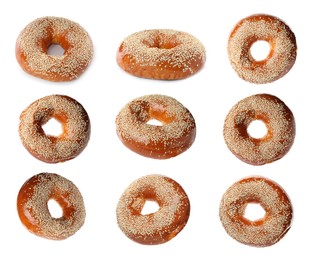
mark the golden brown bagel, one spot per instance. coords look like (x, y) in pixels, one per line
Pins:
(174, 137)
(161, 54)
(262, 232)
(282, 42)
(279, 121)
(33, 211)
(34, 40)
(158, 227)
(53, 149)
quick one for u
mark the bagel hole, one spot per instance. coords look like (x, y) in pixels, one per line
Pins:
(254, 211)
(55, 50)
(53, 128)
(161, 44)
(150, 207)
(257, 129)
(154, 122)
(55, 209)
(166, 45)
(260, 50)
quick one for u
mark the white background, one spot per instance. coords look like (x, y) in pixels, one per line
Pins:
(106, 167)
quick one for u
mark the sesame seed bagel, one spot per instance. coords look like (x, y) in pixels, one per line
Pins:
(158, 227)
(34, 40)
(161, 54)
(279, 121)
(283, 48)
(53, 149)
(264, 231)
(173, 137)
(33, 211)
